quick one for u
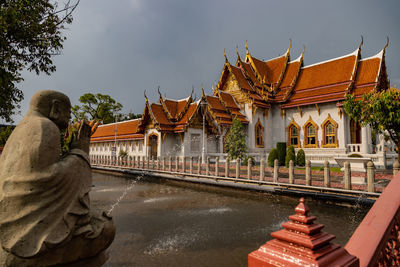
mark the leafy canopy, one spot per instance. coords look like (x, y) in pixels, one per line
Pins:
(30, 34)
(235, 142)
(380, 110)
(97, 107)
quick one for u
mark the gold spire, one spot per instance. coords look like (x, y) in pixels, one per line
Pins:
(145, 96)
(226, 59)
(387, 43)
(160, 99)
(361, 43)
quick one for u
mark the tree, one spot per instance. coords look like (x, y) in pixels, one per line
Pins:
(301, 158)
(130, 116)
(290, 155)
(5, 132)
(30, 34)
(235, 143)
(97, 107)
(380, 110)
(272, 156)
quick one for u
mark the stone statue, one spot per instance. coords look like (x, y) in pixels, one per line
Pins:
(45, 216)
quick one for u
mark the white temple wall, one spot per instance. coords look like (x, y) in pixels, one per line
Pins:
(324, 111)
(192, 143)
(172, 145)
(277, 131)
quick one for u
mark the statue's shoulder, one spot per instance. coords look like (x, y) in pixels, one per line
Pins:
(37, 127)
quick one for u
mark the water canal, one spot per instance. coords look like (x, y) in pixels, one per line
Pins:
(164, 223)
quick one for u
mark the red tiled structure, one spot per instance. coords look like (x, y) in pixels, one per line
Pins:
(301, 243)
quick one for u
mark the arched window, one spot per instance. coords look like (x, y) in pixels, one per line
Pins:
(293, 134)
(310, 133)
(329, 129)
(259, 132)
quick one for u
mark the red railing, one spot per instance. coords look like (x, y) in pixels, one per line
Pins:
(376, 241)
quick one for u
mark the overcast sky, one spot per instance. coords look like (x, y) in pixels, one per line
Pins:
(124, 47)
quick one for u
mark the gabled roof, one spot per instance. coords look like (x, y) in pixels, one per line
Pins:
(270, 72)
(126, 130)
(325, 81)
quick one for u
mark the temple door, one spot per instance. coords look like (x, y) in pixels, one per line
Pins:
(153, 146)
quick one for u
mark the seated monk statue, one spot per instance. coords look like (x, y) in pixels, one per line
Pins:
(45, 216)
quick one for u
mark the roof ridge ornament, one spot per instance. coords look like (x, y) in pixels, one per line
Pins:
(158, 89)
(226, 59)
(145, 96)
(387, 43)
(361, 43)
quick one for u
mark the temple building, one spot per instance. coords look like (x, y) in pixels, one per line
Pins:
(278, 100)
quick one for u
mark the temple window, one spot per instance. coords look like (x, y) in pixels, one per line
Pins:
(294, 134)
(259, 132)
(329, 127)
(194, 143)
(310, 133)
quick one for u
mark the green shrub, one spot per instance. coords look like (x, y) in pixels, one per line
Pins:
(355, 156)
(273, 155)
(281, 148)
(246, 160)
(301, 158)
(290, 155)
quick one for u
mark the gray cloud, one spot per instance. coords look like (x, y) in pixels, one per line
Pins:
(125, 47)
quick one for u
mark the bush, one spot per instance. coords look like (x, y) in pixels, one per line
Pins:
(281, 148)
(273, 155)
(246, 160)
(290, 155)
(301, 158)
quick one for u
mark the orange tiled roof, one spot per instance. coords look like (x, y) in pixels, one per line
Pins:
(250, 73)
(243, 83)
(324, 82)
(271, 70)
(367, 71)
(125, 130)
(176, 107)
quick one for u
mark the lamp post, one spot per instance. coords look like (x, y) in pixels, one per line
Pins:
(114, 149)
(203, 105)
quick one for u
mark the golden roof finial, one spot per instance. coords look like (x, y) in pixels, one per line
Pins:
(304, 49)
(202, 92)
(361, 43)
(145, 96)
(247, 49)
(387, 42)
(226, 59)
(237, 53)
(290, 44)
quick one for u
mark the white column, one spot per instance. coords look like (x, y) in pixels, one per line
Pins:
(364, 140)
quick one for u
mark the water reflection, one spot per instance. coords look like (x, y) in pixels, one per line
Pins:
(173, 224)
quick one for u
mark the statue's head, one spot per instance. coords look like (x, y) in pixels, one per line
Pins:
(53, 105)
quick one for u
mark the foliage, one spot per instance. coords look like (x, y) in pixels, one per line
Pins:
(301, 158)
(281, 149)
(30, 35)
(272, 156)
(380, 110)
(72, 130)
(5, 132)
(246, 160)
(123, 153)
(235, 142)
(97, 107)
(130, 116)
(290, 155)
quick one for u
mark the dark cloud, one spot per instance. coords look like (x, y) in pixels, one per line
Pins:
(125, 47)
